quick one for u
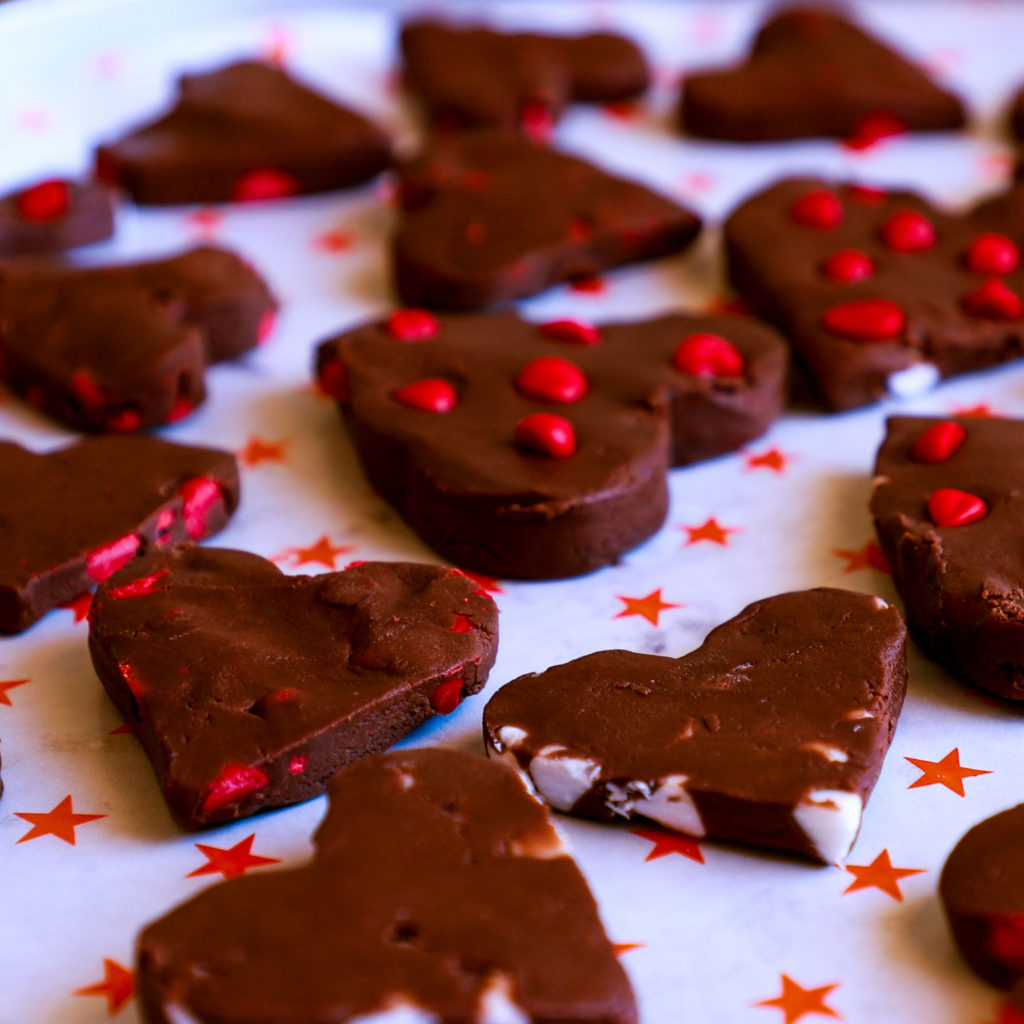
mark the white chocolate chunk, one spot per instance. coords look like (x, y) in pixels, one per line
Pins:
(562, 780)
(511, 736)
(858, 713)
(914, 380)
(176, 1014)
(399, 1012)
(496, 1005)
(880, 603)
(830, 818)
(827, 751)
(669, 803)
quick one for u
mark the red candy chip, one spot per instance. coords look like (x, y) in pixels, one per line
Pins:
(992, 253)
(1006, 940)
(462, 624)
(546, 434)
(1010, 1015)
(131, 680)
(87, 391)
(432, 394)
(182, 407)
(48, 200)
(708, 355)
(571, 330)
(138, 588)
(818, 209)
(264, 183)
(334, 380)
(105, 561)
(939, 442)
(413, 325)
(537, 121)
(848, 265)
(164, 522)
(199, 495)
(994, 301)
(551, 379)
(867, 195)
(865, 320)
(445, 699)
(297, 765)
(233, 784)
(125, 422)
(950, 507)
(908, 231)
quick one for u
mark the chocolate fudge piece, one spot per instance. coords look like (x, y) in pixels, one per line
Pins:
(54, 214)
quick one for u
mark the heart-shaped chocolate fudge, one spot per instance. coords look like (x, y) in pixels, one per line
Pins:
(812, 72)
(772, 733)
(881, 293)
(439, 891)
(249, 688)
(948, 504)
(74, 516)
(468, 76)
(54, 214)
(488, 216)
(247, 131)
(541, 450)
(124, 347)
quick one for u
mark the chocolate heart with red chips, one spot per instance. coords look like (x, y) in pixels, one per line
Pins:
(469, 76)
(54, 214)
(249, 688)
(489, 217)
(124, 347)
(247, 131)
(948, 504)
(772, 733)
(881, 293)
(439, 891)
(73, 517)
(541, 450)
(811, 72)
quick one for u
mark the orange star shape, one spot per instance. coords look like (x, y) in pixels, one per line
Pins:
(334, 241)
(257, 450)
(796, 1002)
(772, 459)
(622, 948)
(231, 862)
(323, 552)
(118, 985)
(880, 874)
(666, 843)
(60, 822)
(981, 411)
(948, 772)
(9, 685)
(711, 531)
(649, 607)
(869, 556)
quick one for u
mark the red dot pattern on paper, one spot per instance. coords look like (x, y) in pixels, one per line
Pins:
(708, 355)
(939, 442)
(432, 394)
(546, 434)
(551, 379)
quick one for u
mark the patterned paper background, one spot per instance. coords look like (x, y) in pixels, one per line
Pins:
(707, 933)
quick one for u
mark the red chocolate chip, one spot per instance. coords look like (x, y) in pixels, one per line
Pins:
(46, 201)
(708, 355)
(105, 561)
(848, 265)
(138, 588)
(992, 253)
(445, 699)
(552, 379)
(938, 442)
(546, 434)
(199, 495)
(950, 507)
(865, 320)
(908, 231)
(334, 380)
(233, 784)
(264, 183)
(994, 301)
(413, 325)
(818, 209)
(432, 394)
(571, 330)
(297, 765)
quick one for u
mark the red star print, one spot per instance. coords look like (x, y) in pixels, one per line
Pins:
(649, 607)
(279, 42)
(666, 843)
(796, 1002)
(880, 874)
(696, 182)
(118, 985)
(869, 556)
(60, 822)
(323, 552)
(996, 165)
(231, 862)
(627, 110)
(9, 685)
(710, 531)
(35, 120)
(257, 450)
(107, 64)
(79, 606)
(948, 772)
(622, 948)
(334, 241)
(206, 221)
(981, 411)
(592, 285)
(772, 459)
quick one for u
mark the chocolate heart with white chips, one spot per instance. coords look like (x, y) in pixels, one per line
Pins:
(772, 733)
(439, 891)
(74, 516)
(249, 688)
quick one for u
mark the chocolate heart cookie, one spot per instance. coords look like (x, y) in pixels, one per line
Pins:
(249, 688)
(54, 214)
(73, 517)
(772, 733)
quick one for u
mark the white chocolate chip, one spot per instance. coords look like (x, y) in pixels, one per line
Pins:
(496, 1005)
(858, 713)
(670, 804)
(176, 1014)
(399, 1011)
(562, 780)
(511, 736)
(830, 818)
(827, 751)
(914, 380)
(880, 603)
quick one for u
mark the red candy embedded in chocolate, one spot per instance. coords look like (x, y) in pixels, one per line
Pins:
(848, 265)
(48, 200)
(87, 391)
(264, 183)
(462, 624)
(865, 320)
(571, 330)
(126, 421)
(232, 786)
(994, 301)
(867, 195)
(908, 231)
(992, 253)
(333, 377)
(708, 355)
(432, 394)
(552, 379)
(537, 121)
(546, 434)
(939, 442)
(951, 507)
(445, 699)
(138, 588)
(105, 561)
(413, 325)
(297, 765)
(199, 496)
(1006, 940)
(818, 209)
